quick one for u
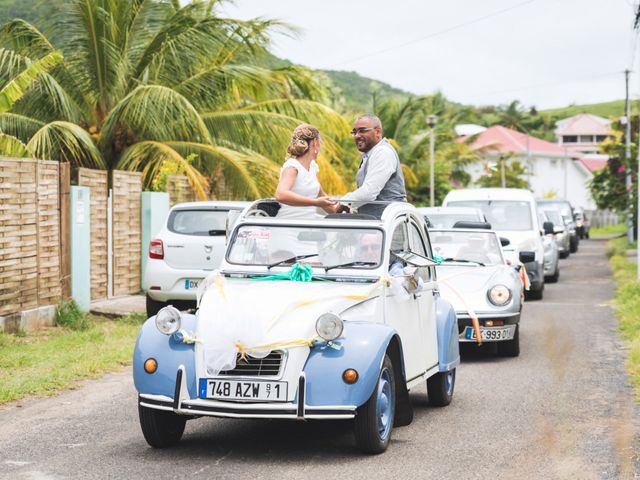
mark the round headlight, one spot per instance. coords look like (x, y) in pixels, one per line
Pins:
(168, 320)
(499, 295)
(329, 326)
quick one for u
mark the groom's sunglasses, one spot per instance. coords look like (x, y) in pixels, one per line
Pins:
(360, 131)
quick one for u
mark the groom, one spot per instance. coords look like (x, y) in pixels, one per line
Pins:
(380, 175)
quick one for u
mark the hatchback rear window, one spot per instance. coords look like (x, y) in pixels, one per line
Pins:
(198, 222)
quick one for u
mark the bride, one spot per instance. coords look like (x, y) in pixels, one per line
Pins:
(299, 190)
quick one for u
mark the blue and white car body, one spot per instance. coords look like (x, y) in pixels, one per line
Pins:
(348, 344)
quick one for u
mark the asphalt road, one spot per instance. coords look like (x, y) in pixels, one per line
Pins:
(563, 409)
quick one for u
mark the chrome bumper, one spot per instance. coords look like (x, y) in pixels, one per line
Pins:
(182, 404)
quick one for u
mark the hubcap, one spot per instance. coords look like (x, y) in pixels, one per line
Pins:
(384, 404)
(449, 379)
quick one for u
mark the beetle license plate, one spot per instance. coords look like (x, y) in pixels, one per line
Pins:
(489, 334)
(243, 390)
(190, 284)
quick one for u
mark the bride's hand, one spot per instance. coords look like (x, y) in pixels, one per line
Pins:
(325, 203)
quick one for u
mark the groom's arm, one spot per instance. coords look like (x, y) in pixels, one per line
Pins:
(381, 165)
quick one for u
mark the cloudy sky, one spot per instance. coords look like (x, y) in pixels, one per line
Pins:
(547, 53)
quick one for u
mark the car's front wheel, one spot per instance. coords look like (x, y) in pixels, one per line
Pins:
(440, 388)
(374, 419)
(510, 348)
(161, 429)
(154, 306)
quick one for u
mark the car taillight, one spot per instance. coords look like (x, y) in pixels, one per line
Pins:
(155, 249)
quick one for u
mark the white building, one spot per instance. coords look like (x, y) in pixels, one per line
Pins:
(553, 171)
(582, 133)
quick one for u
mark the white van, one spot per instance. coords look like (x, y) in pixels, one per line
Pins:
(512, 213)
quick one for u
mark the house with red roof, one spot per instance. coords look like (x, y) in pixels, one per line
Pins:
(552, 169)
(582, 133)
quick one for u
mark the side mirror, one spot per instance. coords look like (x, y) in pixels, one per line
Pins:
(504, 241)
(527, 257)
(548, 228)
(230, 222)
(416, 260)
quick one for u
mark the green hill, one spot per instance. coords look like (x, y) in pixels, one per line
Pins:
(358, 91)
(612, 109)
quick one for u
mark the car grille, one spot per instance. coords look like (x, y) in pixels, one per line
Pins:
(268, 366)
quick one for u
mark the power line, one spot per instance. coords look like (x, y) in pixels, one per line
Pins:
(548, 84)
(435, 34)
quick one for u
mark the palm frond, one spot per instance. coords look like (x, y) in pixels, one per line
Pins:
(15, 89)
(149, 156)
(66, 142)
(88, 32)
(153, 113)
(25, 39)
(19, 126)
(12, 147)
(234, 174)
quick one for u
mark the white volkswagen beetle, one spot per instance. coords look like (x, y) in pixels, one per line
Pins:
(332, 318)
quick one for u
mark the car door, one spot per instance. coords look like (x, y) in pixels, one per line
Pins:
(425, 296)
(402, 311)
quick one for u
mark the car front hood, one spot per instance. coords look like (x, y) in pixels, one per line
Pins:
(256, 316)
(466, 287)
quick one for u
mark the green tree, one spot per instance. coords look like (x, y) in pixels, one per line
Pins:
(513, 173)
(145, 83)
(608, 185)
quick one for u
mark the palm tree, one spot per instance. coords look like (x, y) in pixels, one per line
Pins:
(146, 83)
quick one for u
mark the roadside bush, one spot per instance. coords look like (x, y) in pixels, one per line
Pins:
(627, 306)
(69, 315)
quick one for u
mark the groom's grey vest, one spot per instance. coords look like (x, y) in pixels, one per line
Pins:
(393, 190)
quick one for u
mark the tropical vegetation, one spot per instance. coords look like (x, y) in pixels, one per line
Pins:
(146, 83)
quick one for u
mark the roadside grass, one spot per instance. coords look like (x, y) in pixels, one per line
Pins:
(45, 362)
(627, 304)
(607, 231)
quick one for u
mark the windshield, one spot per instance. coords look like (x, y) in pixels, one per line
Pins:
(464, 246)
(554, 217)
(198, 222)
(501, 214)
(448, 220)
(271, 245)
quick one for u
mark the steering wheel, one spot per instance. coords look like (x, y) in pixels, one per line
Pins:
(257, 213)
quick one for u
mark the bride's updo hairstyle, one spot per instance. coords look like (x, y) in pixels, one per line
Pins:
(301, 140)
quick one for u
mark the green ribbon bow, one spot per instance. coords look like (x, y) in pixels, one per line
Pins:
(299, 273)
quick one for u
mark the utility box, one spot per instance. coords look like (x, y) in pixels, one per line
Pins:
(80, 246)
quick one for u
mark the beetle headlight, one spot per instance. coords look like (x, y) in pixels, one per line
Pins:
(499, 295)
(329, 326)
(168, 320)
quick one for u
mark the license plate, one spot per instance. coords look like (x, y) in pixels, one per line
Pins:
(191, 284)
(489, 334)
(243, 390)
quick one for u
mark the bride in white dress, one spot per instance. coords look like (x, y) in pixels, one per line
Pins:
(299, 190)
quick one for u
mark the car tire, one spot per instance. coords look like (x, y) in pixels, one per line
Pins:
(510, 348)
(440, 388)
(564, 255)
(154, 306)
(161, 429)
(573, 245)
(374, 420)
(553, 278)
(534, 294)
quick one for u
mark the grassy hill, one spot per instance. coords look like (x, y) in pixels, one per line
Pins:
(612, 109)
(357, 91)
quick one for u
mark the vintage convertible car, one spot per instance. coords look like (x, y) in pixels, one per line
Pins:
(477, 280)
(329, 318)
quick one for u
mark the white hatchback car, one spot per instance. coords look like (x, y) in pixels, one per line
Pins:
(190, 245)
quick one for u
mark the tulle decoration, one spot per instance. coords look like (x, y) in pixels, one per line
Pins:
(230, 337)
